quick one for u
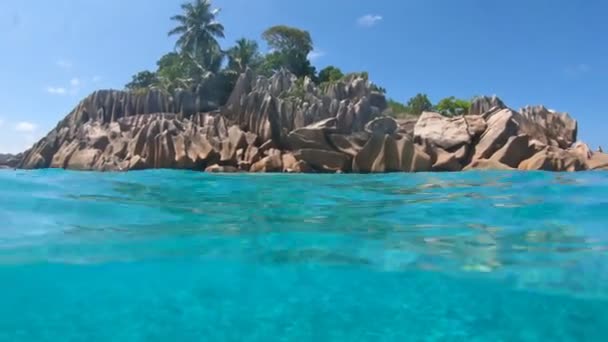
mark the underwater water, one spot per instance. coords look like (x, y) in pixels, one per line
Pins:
(185, 256)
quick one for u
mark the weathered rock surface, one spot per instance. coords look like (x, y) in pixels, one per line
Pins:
(487, 164)
(557, 127)
(437, 130)
(516, 150)
(281, 124)
(598, 161)
(554, 159)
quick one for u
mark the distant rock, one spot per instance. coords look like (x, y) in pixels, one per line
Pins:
(9, 161)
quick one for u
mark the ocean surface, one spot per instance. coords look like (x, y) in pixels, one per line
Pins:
(185, 256)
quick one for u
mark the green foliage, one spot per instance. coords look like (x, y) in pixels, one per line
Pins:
(451, 106)
(362, 74)
(197, 28)
(329, 74)
(397, 108)
(418, 104)
(243, 55)
(377, 88)
(142, 80)
(290, 48)
(285, 38)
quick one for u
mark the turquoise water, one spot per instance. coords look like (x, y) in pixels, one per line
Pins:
(184, 256)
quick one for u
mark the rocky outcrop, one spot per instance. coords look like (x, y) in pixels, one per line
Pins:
(437, 130)
(484, 104)
(554, 159)
(9, 160)
(282, 124)
(559, 128)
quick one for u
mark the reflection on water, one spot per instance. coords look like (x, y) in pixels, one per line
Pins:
(502, 225)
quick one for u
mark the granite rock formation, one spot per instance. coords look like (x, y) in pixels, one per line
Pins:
(282, 124)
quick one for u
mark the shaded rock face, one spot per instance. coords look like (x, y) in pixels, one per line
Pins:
(484, 104)
(281, 124)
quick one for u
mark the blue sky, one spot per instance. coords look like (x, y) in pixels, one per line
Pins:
(528, 52)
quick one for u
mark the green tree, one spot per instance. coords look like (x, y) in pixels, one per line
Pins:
(176, 71)
(142, 80)
(419, 103)
(330, 74)
(285, 38)
(243, 55)
(375, 87)
(451, 106)
(197, 28)
(397, 108)
(290, 48)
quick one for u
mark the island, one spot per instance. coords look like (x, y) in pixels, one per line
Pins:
(238, 110)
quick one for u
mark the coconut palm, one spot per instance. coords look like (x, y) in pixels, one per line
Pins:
(244, 54)
(197, 28)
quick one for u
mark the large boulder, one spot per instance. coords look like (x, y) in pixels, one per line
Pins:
(598, 161)
(448, 161)
(323, 160)
(83, 159)
(558, 127)
(500, 127)
(350, 144)
(382, 153)
(271, 163)
(476, 125)
(405, 126)
(308, 137)
(382, 125)
(437, 130)
(515, 150)
(554, 159)
(236, 140)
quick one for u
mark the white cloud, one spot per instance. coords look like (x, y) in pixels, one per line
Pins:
(25, 127)
(369, 20)
(577, 70)
(56, 90)
(316, 54)
(64, 64)
(75, 82)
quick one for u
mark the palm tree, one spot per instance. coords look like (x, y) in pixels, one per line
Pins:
(197, 28)
(244, 54)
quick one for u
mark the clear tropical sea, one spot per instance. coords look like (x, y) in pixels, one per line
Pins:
(184, 256)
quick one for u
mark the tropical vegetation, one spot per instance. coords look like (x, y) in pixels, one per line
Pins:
(198, 62)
